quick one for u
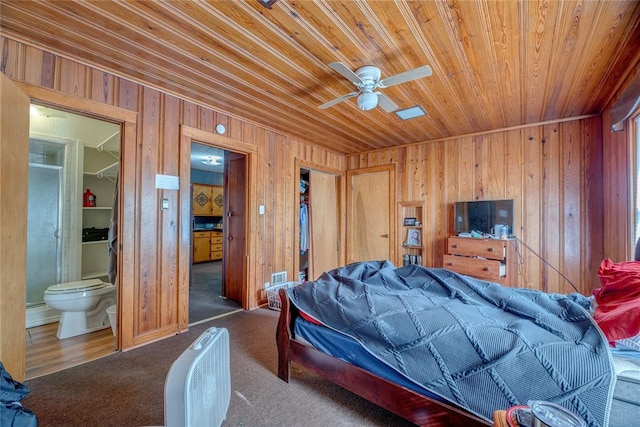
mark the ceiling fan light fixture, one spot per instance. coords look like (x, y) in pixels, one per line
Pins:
(212, 160)
(367, 101)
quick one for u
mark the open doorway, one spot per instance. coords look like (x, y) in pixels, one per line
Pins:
(215, 188)
(70, 157)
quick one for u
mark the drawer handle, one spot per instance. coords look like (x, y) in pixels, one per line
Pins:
(490, 249)
(487, 269)
(449, 263)
(454, 246)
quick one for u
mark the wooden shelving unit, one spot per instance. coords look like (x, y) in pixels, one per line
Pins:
(411, 246)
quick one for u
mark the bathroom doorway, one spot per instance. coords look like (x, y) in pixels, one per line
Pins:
(68, 154)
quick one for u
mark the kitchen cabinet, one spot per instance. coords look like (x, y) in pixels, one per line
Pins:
(207, 246)
(208, 200)
(487, 259)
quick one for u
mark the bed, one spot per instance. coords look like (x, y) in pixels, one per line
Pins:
(407, 397)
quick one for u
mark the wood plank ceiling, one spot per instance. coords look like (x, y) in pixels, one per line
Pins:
(496, 63)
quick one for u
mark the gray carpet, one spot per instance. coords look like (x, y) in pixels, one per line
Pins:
(205, 289)
(127, 388)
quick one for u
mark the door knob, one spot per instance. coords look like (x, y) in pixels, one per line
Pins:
(386, 236)
(230, 238)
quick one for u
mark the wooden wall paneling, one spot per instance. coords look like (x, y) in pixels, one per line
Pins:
(435, 223)
(415, 167)
(13, 59)
(480, 167)
(147, 295)
(190, 115)
(169, 219)
(424, 170)
(271, 204)
(547, 180)
(262, 257)
(209, 119)
(279, 169)
(513, 190)
(450, 189)
(34, 73)
(128, 95)
(71, 78)
(531, 193)
(102, 87)
(572, 194)
(290, 204)
(497, 166)
(592, 230)
(466, 169)
(551, 208)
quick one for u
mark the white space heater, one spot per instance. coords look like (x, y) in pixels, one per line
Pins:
(197, 390)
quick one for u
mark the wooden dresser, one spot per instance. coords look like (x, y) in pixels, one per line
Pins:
(487, 259)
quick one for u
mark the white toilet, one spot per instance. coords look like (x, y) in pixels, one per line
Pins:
(83, 305)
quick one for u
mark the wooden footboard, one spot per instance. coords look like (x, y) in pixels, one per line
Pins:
(403, 402)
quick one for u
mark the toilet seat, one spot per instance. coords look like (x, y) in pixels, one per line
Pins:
(79, 286)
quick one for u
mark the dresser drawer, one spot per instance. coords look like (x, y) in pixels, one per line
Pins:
(481, 268)
(216, 247)
(486, 248)
(216, 255)
(216, 238)
(201, 234)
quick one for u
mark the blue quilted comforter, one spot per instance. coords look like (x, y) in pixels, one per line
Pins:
(477, 344)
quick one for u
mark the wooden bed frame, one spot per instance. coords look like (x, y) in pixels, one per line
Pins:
(412, 406)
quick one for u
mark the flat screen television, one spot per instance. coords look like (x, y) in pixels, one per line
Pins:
(482, 215)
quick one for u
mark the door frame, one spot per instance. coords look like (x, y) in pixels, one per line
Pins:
(127, 120)
(391, 168)
(303, 164)
(187, 136)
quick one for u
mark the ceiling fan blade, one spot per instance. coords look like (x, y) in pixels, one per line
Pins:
(340, 68)
(407, 76)
(386, 103)
(338, 100)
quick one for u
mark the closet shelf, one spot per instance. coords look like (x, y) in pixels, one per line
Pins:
(110, 172)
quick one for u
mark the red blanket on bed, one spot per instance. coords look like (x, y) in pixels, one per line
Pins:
(618, 309)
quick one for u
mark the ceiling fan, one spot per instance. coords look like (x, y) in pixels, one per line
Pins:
(367, 79)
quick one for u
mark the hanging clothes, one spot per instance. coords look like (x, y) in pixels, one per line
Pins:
(113, 239)
(304, 227)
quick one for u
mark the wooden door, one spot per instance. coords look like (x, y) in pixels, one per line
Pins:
(14, 154)
(371, 214)
(324, 208)
(235, 226)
